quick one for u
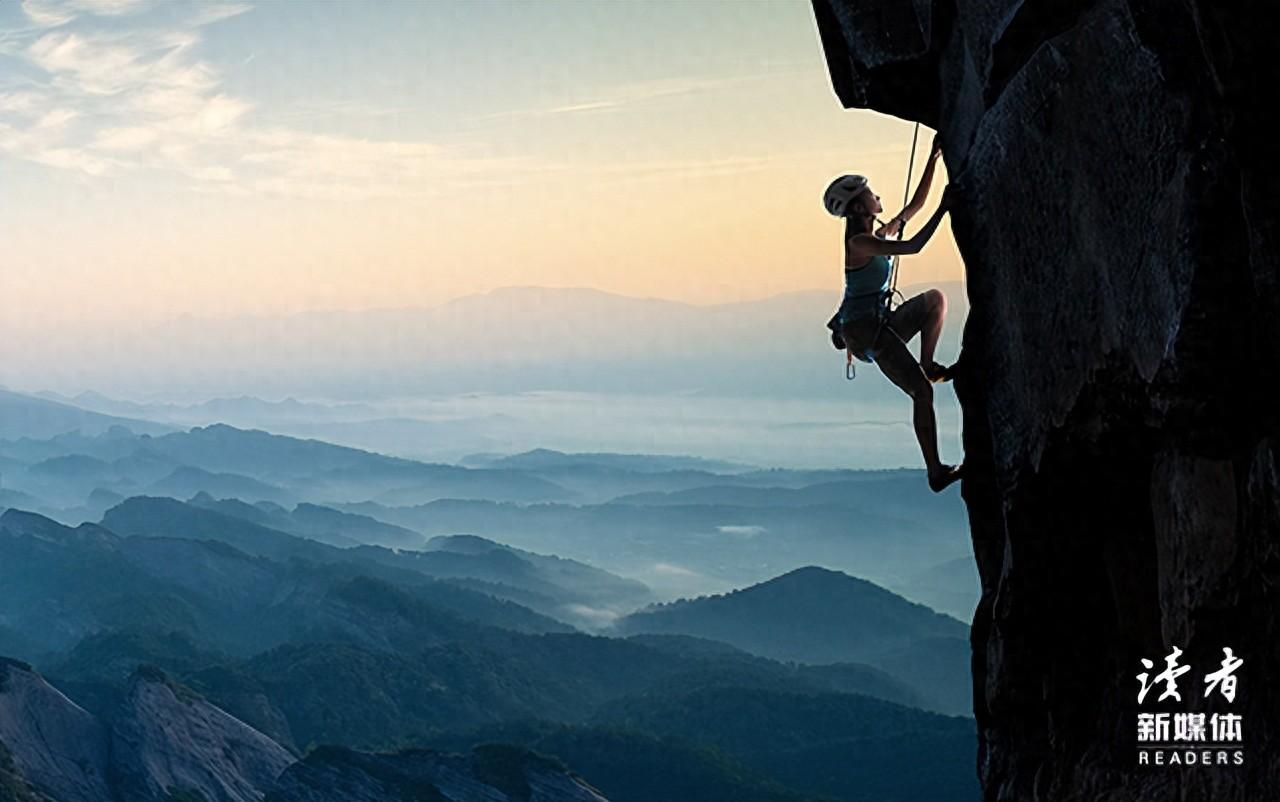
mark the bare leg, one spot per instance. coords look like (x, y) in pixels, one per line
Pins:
(896, 362)
(931, 331)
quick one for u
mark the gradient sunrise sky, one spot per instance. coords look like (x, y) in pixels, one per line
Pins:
(209, 159)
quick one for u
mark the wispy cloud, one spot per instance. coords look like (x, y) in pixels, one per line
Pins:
(637, 93)
(597, 615)
(136, 96)
(54, 13)
(672, 569)
(742, 531)
(139, 97)
(209, 13)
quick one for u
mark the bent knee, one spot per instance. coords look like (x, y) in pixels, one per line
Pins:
(921, 390)
(937, 301)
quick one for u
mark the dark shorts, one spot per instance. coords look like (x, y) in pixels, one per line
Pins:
(906, 321)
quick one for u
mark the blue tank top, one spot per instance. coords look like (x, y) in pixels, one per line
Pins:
(866, 288)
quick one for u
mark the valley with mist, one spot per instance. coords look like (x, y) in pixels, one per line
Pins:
(651, 623)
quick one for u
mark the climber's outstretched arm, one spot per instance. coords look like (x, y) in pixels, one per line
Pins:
(895, 223)
(864, 246)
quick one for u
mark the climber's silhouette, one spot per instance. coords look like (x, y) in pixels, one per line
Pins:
(869, 329)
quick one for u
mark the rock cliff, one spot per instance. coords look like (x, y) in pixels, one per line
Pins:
(1116, 207)
(169, 741)
(48, 741)
(167, 744)
(164, 743)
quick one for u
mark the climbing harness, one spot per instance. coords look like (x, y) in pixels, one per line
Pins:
(837, 338)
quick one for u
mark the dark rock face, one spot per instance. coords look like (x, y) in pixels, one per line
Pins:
(1116, 207)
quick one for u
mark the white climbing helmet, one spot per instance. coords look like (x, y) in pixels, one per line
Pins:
(842, 190)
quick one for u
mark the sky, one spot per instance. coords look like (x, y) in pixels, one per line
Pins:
(161, 160)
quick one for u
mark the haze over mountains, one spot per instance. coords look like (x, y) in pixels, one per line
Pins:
(309, 616)
(510, 340)
(681, 525)
(24, 415)
(750, 382)
(754, 383)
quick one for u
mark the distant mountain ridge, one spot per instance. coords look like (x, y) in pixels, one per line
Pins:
(574, 336)
(671, 522)
(60, 585)
(865, 618)
(315, 522)
(546, 458)
(237, 410)
(814, 615)
(516, 575)
(251, 464)
(27, 416)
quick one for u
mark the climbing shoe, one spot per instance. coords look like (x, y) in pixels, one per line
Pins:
(936, 373)
(944, 477)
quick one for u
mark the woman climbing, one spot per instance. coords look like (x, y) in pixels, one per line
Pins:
(869, 329)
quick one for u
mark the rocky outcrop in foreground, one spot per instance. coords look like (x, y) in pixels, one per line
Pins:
(167, 744)
(1116, 206)
(48, 742)
(171, 740)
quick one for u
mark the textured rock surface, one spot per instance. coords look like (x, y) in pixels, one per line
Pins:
(1116, 209)
(168, 740)
(165, 744)
(53, 744)
(488, 774)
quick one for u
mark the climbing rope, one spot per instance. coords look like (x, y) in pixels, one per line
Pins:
(906, 198)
